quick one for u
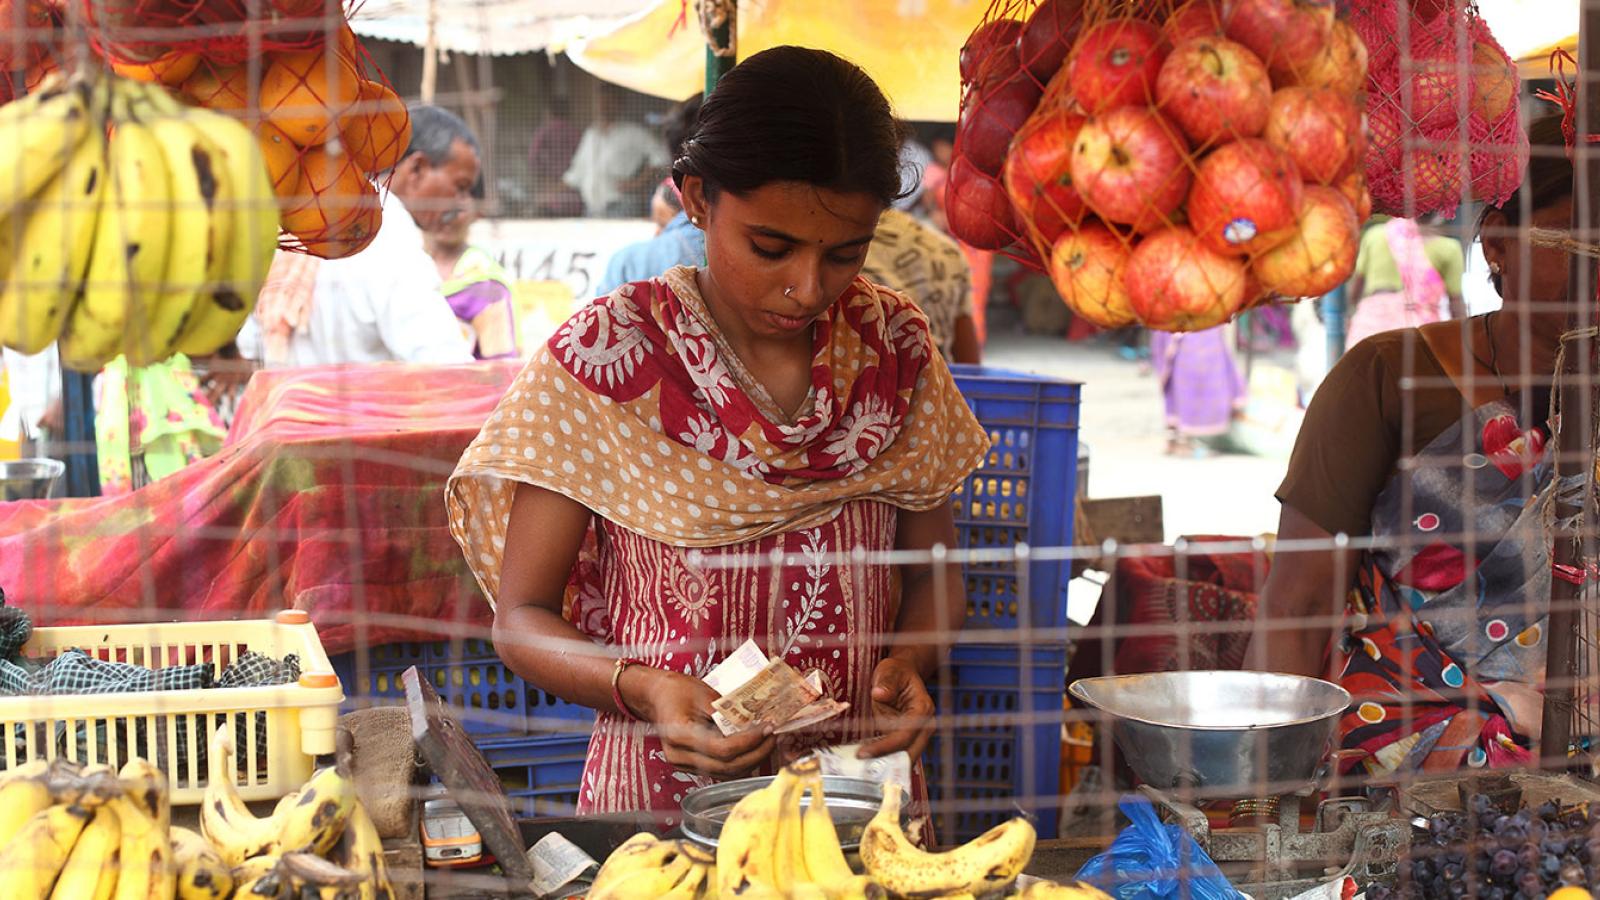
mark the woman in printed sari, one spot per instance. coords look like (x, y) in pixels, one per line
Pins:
(1432, 441)
(740, 442)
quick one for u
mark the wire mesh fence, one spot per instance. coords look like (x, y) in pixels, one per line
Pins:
(1423, 618)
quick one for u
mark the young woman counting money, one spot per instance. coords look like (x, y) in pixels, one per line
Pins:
(723, 455)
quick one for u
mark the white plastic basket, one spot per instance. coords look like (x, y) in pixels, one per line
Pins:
(280, 728)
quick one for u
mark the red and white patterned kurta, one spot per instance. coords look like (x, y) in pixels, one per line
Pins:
(686, 617)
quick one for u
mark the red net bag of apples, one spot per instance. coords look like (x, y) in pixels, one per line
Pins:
(1166, 162)
(328, 123)
(1441, 108)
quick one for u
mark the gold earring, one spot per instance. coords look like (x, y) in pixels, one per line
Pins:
(1494, 268)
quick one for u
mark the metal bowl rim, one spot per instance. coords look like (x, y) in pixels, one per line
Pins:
(691, 818)
(1305, 720)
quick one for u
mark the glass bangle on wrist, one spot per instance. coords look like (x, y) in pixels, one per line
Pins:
(616, 688)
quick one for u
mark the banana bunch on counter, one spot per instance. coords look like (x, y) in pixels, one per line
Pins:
(129, 223)
(70, 832)
(772, 847)
(319, 841)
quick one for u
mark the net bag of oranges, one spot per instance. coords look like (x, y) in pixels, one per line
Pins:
(1442, 107)
(1168, 163)
(329, 125)
(32, 44)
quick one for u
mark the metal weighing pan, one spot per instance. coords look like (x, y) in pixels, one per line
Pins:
(852, 802)
(1219, 730)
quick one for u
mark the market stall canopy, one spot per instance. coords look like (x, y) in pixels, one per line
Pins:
(494, 27)
(908, 46)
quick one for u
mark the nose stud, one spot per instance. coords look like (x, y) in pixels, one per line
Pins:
(789, 291)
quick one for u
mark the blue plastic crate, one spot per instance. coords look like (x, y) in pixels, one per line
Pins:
(1024, 492)
(541, 775)
(487, 697)
(1003, 725)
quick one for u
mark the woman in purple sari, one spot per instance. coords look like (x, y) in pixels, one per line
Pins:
(1201, 385)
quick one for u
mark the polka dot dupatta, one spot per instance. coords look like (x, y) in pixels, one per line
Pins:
(638, 409)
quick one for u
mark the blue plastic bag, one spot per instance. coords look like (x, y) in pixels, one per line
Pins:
(1153, 861)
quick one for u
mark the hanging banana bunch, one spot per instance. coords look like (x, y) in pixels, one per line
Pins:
(130, 224)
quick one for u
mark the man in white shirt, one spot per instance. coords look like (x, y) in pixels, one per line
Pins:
(616, 163)
(385, 303)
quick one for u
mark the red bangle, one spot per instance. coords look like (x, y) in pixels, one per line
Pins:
(616, 687)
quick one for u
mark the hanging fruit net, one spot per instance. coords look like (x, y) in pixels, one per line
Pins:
(329, 124)
(1166, 162)
(32, 44)
(164, 33)
(1442, 107)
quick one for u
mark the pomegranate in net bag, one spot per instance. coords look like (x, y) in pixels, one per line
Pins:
(1166, 166)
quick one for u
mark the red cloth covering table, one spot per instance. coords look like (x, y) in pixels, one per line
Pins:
(328, 496)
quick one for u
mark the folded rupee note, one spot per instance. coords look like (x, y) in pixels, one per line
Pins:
(759, 692)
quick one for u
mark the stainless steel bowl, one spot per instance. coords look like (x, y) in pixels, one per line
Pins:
(852, 802)
(29, 479)
(1219, 730)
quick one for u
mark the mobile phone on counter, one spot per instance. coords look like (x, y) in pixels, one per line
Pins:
(448, 836)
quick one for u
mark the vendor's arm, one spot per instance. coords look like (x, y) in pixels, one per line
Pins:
(933, 606)
(1343, 457)
(1302, 604)
(543, 537)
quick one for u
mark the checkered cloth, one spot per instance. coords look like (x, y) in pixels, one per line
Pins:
(253, 669)
(15, 628)
(74, 671)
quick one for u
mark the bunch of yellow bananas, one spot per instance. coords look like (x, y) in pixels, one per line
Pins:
(318, 842)
(772, 846)
(129, 222)
(69, 832)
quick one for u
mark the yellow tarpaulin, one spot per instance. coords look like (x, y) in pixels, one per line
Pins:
(909, 47)
(1536, 63)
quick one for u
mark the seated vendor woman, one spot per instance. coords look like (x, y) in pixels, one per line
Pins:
(1430, 447)
(727, 454)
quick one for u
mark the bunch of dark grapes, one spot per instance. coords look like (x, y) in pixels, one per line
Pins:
(1484, 855)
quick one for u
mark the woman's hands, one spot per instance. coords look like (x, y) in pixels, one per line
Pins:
(902, 710)
(679, 706)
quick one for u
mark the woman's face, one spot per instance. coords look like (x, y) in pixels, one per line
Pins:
(455, 224)
(778, 257)
(1530, 276)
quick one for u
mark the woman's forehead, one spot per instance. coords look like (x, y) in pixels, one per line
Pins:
(807, 212)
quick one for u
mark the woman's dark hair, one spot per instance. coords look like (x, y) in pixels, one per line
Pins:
(679, 124)
(795, 114)
(1547, 182)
